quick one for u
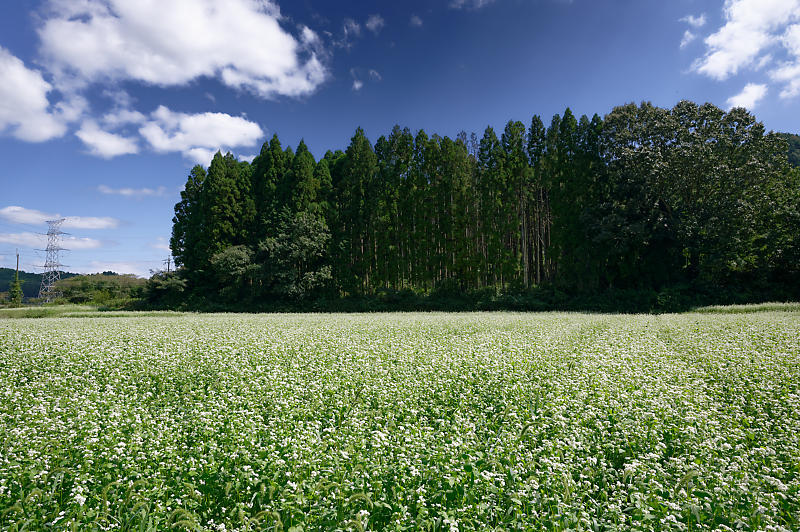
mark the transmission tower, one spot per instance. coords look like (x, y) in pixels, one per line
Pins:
(52, 271)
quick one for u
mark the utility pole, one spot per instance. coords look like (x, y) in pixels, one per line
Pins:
(52, 272)
(167, 261)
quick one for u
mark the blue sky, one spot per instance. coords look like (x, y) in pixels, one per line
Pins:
(106, 104)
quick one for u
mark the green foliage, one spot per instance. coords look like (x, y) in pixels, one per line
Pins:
(293, 262)
(102, 289)
(30, 281)
(793, 153)
(15, 294)
(644, 201)
(165, 290)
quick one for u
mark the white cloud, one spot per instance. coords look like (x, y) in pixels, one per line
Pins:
(751, 26)
(415, 21)
(103, 143)
(240, 42)
(789, 74)
(37, 240)
(749, 97)
(469, 4)
(27, 239)
(375, 23)
(161, 244)
(200, 155)
(90, 222)
(74, 243)
(351, 28)
(140, 268)
(763, 61)
(132, 192)
(375, 75)
(695, 22)
(24, 107)
(198, 136)
(688, 38)
(122, 117)
(21, 215)
(357, 84)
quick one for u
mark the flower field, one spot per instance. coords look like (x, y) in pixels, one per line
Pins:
(401, 422)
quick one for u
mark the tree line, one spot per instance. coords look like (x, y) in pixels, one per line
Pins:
(643, 199)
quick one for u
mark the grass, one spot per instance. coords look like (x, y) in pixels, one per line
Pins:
(746, 309)
(77, 311)
(416, 421)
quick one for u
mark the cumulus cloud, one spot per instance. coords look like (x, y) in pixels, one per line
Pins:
(198, 136)
(132, 192)
(415, 21)
(21, 215)
(375, 23)
(239, 42)
(357, 84)
(749, 97)
(24, 106)
(751, 27)
(103, 143)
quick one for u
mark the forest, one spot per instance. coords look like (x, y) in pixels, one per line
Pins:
(642, 209)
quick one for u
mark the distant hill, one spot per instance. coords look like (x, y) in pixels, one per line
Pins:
(794, 148)
(30, 281)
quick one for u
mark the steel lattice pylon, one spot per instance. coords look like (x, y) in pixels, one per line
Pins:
(52, 272)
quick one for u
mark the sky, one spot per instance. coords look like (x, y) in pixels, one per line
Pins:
(105, 105)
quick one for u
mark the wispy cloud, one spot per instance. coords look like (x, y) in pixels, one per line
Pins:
(375, 23)
(688, 38)
(133, 192)
(161, 244)
(21, 215)
(469, 4)
(38, 240)
(138, 268)
(357, 84)
(351, 30)
(695, 22)
(415, 21)
(90, 222)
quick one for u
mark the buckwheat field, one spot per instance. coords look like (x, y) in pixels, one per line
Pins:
(446, 422)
